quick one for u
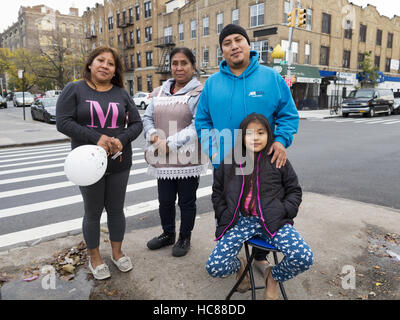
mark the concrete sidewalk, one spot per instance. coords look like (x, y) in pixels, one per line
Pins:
(350, 240)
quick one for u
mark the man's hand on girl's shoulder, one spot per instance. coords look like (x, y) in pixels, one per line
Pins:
(279, 154)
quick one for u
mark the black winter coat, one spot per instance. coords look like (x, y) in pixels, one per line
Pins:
(278, 196)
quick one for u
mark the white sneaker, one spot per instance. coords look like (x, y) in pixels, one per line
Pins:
(124, 264)
(101, 272)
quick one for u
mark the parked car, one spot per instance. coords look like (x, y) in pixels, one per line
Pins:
(44, 110)
(142, 99)
(52, 93)
(3, 102)
(396, 104)
(368, 102)
(19, 99)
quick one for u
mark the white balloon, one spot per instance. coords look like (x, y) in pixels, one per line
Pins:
(85, 165)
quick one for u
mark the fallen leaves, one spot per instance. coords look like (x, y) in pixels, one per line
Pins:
(68, 260)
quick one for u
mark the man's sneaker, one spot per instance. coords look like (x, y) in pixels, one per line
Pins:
(165, 239)
(181, 247)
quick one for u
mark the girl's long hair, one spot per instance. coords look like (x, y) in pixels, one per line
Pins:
(118, 79)
(250, 180)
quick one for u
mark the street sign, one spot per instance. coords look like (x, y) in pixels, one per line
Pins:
(20, 74)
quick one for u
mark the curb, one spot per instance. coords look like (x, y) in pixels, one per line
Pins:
(27, 144)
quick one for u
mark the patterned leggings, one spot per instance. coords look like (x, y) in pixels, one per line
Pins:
(223, 261)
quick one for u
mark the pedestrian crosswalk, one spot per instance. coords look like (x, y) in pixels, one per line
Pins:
(387, 121)
(37, 202)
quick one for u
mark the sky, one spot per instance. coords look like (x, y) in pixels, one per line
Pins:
(9, 9)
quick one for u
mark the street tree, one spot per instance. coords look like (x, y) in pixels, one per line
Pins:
(369, 75)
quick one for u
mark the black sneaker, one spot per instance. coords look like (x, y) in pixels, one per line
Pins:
(165, 239)
(181, 247)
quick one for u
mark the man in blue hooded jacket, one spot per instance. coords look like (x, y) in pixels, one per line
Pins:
(243, 86)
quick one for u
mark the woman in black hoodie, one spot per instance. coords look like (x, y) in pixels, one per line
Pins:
(254, 198)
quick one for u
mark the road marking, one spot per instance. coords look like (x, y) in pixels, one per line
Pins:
(50, 166)
(26, 152)
(53, 186)
(50, 204)
(24, 149)
(392, 122)
(65, 227)
(47, 160)
(378, 121)
(35, 157)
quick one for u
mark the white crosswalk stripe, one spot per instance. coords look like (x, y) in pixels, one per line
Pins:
(376, 120)
(37, 201)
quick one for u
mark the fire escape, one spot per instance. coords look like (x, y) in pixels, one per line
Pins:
(166, 44)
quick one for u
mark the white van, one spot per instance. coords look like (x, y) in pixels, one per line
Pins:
(52, 93)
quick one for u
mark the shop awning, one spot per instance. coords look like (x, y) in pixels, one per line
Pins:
(302, 73)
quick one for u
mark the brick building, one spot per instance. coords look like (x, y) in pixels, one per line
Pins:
(326, 53)
(36, 26)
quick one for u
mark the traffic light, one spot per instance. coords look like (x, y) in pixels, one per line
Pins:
(302, 14)
(291, 20)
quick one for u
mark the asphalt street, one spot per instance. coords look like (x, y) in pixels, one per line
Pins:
(355, 158)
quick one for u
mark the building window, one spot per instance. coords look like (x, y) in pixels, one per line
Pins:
(324, 56)
(124, 17)
(390, 40)
(295, 50)
(363, 33)
(348, 30)
(346, 59)
(147, 9)
(119, 40)
(137, 35)
(286, 10)
(220, 22)
(132, 61)
(219, 55)
(130, 15)
(168, 35)
(149, 58)
(206, 24)
(377, 62)
(235, 16)
(193, 26)
(387, 64)
(139, 59)
(205, 57)
(360, 59)
(307, 54)
(149, 83)
(262, 48)
(118, 19)
(137, 12)
(257, 15)
(131, 39)
(309, 19)
(148, 34)
(326, 23)
(181, 32)
(139, 83)
(110, 23)
(378, 37)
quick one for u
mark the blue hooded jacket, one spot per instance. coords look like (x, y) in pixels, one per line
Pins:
(227, 99)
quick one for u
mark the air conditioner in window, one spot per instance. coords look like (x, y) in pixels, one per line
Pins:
(205, 64)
